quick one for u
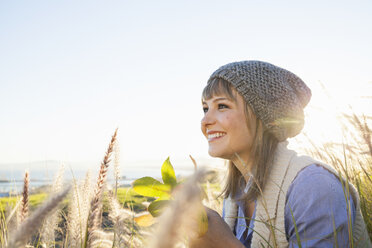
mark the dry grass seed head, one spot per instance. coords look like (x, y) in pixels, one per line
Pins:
(24, 204)
(181, 217)
(122, 219)
(96, 203)
(101, 239)
(51, 222)
(79, 211)
(33, 223)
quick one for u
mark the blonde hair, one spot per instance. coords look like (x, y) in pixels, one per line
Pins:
(262, 151)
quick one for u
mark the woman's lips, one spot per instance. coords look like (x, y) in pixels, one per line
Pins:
(211, 136)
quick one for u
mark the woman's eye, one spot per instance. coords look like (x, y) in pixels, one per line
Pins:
(222, 106)
(205, 109)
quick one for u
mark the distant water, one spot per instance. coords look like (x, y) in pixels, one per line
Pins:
(16, 187)
(11, 181)
(43, 172)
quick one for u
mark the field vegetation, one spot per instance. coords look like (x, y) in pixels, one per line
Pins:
(87, 214)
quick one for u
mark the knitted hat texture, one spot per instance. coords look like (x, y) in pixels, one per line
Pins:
(277, 96)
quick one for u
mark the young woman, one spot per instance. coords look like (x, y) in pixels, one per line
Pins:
(250, 109)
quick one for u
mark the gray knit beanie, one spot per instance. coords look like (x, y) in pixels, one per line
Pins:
(276, 95)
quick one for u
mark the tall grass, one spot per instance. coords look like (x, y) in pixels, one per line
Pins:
(352, 158)
(78, 212)
(23, 213)
(51, 223)
(96, 204)
(97, 217)
(90, 224)
(180, 220)
(30, 225)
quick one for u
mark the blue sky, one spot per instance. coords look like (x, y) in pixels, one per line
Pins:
(71, 72)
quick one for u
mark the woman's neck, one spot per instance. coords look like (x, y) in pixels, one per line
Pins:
(243, 165)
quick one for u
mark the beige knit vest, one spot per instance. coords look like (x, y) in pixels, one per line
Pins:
(269, 226)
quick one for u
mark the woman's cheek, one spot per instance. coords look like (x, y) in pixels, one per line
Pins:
(225, 121)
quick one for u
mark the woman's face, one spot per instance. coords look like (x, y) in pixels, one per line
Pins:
(225, 126)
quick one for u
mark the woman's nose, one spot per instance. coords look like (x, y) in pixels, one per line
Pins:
(208, 119)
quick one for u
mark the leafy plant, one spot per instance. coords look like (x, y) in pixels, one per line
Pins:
(150, 187)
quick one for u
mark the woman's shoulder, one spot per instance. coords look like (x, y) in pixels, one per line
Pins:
(316, 201)
(318, 193)
(315, 181)
(315, 169)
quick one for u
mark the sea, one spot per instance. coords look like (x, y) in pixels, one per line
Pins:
(12, 184)
(43, 173)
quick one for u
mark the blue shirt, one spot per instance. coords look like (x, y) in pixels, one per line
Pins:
(318, 204)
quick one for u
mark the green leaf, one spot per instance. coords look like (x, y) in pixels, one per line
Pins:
(203, 222)
(144, 220)
(167, 173)
(156, 207)
(148, 186)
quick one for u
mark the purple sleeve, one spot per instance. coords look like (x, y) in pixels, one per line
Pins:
(223, 209)
(316, 201)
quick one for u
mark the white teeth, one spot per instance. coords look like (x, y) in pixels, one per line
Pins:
(215, 135)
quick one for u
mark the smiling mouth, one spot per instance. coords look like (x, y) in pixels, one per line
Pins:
(214, 136)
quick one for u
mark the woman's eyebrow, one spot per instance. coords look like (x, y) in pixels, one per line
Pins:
(220, 99)
(217, 99)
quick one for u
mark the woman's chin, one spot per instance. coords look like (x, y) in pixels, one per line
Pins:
(217, 154)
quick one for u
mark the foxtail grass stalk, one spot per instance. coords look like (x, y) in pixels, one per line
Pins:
(194, 163)
(74, 218)
(51, 222)
(94, 220)
(122, 219)
(101, 239)
(14, 210)
(24, 204)
(79, 211)
(181, 217)
(34, 222)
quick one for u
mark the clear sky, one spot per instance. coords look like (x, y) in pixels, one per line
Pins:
(73, 71)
